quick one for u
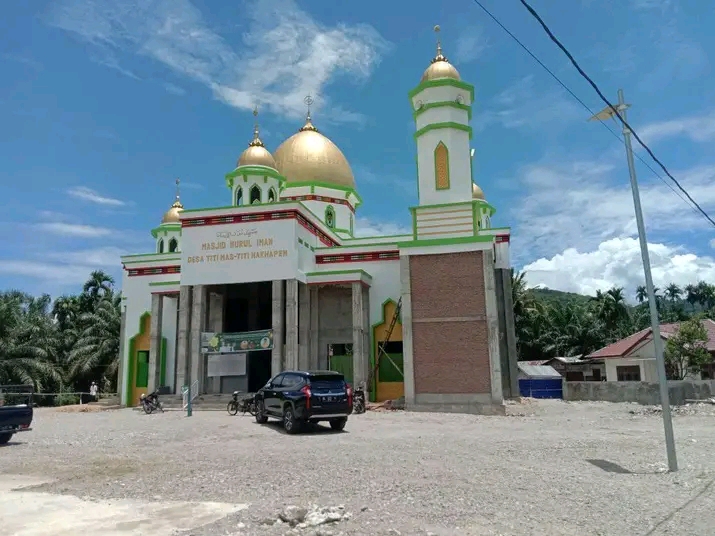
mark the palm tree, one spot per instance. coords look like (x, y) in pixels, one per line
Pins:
(692, 295)
(673, 292)
(641, 294)
(100, 284)
(96, 352)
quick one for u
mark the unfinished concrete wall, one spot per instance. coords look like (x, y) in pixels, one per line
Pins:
(335, 323)
(646, 393)
(507, 333)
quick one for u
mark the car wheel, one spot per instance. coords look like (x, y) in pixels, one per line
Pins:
(338, 424)
(290, 424)
(5, 439)
(260, 413)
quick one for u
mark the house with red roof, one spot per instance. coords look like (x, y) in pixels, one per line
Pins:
(633, 358)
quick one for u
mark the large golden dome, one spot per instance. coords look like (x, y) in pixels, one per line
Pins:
(308, 156)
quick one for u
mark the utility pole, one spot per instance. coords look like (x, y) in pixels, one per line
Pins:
(606, 113)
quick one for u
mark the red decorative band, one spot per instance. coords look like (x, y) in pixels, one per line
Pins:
(358, 257)
(154, 270)
(502, 238)
(311, 197)
(261, 216)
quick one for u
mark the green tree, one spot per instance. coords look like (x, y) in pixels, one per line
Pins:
(686, 350)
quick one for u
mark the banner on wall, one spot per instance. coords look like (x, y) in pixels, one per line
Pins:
(244, 252)
(232, 343)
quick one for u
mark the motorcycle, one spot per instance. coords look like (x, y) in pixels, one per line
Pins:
(151, 403)
(247, 404)
(359, 400)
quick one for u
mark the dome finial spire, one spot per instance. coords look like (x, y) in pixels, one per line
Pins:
(177, 201)
(256, 142)
(439, 56)
(308, 100)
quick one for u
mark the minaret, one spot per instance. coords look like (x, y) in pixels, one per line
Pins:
(442, 108)
(168, 234)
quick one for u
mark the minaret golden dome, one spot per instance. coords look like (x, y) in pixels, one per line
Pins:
(256, 154)
(477, 192)
(308, 156)
(440, 66)
(172, 215)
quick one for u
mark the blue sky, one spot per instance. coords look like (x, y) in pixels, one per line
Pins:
(104, 103)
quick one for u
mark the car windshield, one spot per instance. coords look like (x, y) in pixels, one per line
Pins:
(327, 381)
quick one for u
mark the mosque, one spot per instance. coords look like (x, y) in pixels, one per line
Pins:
(278, 280)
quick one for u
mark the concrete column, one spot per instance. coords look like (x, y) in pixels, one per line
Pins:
(157, 313)
(183, 337)
(314, 346)
(198, 324)
(278, 305)
(121, 382)
(291, 355)
(361, 350)
(406, 317)
(303, 326)
(490, 298)
(215, 324)
(510, 328)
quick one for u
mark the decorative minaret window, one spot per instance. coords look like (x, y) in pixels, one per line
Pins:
(352, 224)
(239, 196)
(160, 248)
(255, 195)
(173, 245)
(441, 167)
(330, 217)
(272, 195)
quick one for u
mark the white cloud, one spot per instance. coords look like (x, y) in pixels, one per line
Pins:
(472, 44)
(519, 107)
(287, 55)
(97, 257)
(174, 89)
(699, 128)
(87, 194)
(617, 262)
(581, 204)
(367, 227)
(73, 229)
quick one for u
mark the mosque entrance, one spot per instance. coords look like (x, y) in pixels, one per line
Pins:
(246, 308)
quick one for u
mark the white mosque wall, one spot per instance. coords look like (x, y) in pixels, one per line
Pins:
(168, 330)
(442, 114)
(344, 219)
(307, 242)
(460, 175)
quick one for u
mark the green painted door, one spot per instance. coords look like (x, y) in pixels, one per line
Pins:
(142, 369)
(344, 365)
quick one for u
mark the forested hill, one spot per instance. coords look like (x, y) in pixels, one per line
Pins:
(557, 296)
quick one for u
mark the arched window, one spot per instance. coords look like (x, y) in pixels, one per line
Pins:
(330, 217)
(160, 246)
(239, 196)
(441, 167)
(173, 245)
(272, 195)
(255, 195)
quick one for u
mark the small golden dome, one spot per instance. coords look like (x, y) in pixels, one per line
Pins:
(172, 215)
(309, 156)
(477, 192)
(440, 67)
(256, 154)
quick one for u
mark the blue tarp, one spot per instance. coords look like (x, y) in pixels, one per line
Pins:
(541, 388)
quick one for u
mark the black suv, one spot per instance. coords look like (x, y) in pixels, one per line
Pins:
(300, 397)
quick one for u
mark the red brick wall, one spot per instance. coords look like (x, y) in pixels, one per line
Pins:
(449, 357)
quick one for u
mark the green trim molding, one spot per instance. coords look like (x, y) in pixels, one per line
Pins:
(164, 283)
(245, 171)
(340, 272)
(446, 124)
(132, 364)
(446, 241)
(163, 257)
(165, 228)
(443, 104)
(441, 82)
(328, 185)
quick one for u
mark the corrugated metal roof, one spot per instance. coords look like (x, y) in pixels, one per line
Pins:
(538, 371)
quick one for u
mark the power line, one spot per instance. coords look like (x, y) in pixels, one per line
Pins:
(582, 103)
(613, 109)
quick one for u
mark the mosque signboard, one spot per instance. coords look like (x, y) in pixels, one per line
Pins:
(239, 253)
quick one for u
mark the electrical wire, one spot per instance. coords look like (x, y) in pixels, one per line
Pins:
(582, 103)
(613, 109)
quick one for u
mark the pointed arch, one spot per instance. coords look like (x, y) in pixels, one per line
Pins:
(441, 166)
(239, 196)
(330, 216)
(254, 195)
(272, 198)
(160, 246)
(173, 245)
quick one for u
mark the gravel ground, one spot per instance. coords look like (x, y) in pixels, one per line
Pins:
(551, 468)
